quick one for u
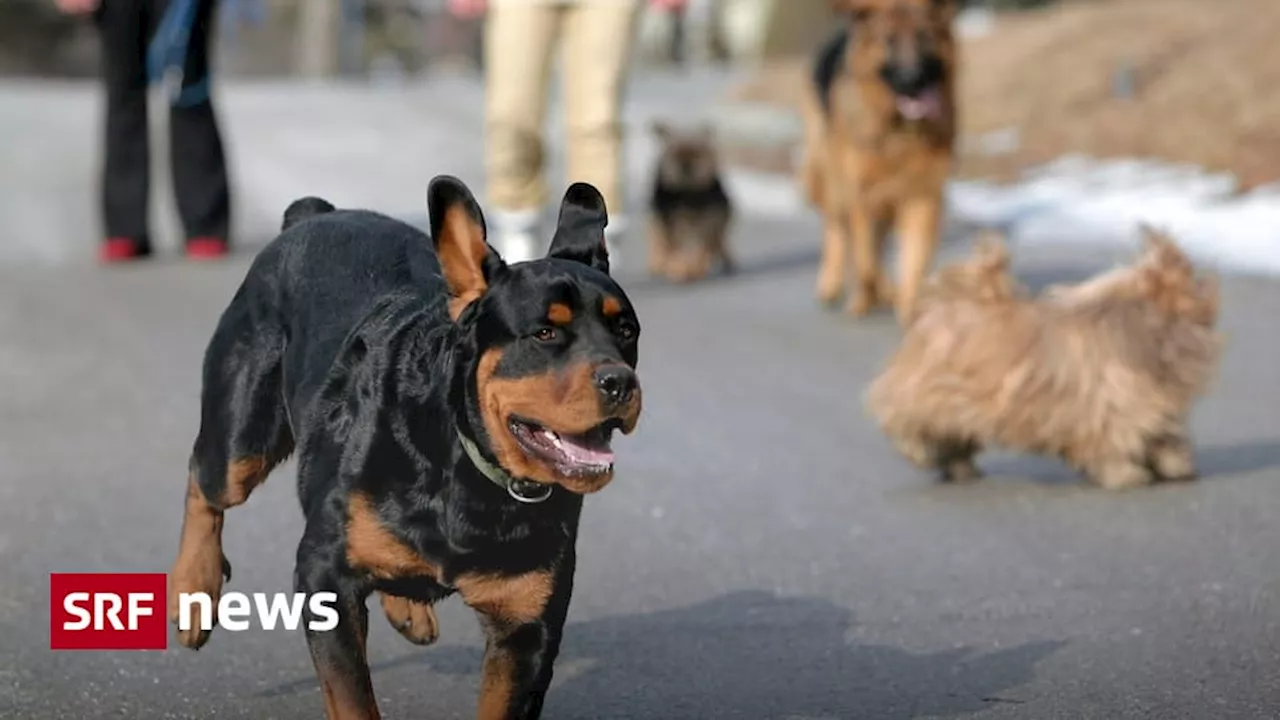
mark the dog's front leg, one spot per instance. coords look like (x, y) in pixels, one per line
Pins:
(866, 234)
(524, 619)
(919, 223)
(339, 652)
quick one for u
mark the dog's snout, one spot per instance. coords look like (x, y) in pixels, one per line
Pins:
(910, 79)
(616, 383)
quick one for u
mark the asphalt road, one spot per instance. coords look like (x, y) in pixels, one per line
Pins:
(763, 552)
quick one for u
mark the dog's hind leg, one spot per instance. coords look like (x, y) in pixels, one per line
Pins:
(244, 433)
(1171, 457)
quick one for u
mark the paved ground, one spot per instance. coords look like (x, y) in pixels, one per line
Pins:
(763, 553)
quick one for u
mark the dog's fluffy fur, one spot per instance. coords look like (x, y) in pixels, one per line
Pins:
(1100, 374)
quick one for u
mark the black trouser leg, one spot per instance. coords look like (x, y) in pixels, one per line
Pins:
(199, 166)
(124, 26)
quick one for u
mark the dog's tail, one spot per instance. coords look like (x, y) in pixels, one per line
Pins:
(304, 208)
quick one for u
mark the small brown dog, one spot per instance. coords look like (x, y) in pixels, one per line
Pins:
(1100, 374)
(880, 124)
(689, 208)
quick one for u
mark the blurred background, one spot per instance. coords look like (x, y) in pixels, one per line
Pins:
(1180, 87)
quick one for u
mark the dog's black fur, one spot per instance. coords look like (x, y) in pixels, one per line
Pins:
(374, 349)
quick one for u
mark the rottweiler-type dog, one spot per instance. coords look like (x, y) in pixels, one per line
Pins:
(879, 133)
(689, 209)
(449, 412)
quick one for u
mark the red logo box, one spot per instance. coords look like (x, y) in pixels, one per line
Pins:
(107, 611)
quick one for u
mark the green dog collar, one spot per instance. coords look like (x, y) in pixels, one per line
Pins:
(525, 491)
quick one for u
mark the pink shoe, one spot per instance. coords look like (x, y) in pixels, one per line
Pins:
(206, 248)
(121, 249)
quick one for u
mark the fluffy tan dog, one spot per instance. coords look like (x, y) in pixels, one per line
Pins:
(1100, 374)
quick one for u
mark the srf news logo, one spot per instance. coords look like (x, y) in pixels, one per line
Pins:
(126, 611)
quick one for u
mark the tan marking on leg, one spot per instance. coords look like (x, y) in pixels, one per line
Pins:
(198, 567)
(243, 476)
(497, 685)
(373, 548)
(341, 702)
(517, 599)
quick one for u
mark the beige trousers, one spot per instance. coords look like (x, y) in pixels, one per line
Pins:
(594, 38)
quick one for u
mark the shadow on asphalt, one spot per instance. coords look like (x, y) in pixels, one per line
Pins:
(1214, 462)
(751, 654)
(1239, 458)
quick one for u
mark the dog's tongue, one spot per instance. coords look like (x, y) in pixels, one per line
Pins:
(927, 105)
(579, 451)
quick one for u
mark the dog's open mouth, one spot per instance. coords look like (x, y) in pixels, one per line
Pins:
(585, 455)
(927, 105)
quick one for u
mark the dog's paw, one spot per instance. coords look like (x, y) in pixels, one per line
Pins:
(200, 570)
(886, 292)
(961, 472)
(827, 290)
(860, 303)
(1173, 461)
(414, 620)
(1122, 476)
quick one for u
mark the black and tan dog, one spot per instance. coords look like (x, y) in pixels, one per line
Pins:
(449, 412)
(879, 130)
(689, 209)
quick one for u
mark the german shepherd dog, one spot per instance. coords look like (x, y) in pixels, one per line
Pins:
(879, 130)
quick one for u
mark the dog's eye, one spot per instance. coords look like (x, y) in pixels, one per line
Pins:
(547, 334)
(626, 330)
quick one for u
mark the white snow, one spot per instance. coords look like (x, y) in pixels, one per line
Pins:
(1077, 198)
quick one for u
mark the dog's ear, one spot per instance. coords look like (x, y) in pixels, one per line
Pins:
(580, 228)
(458, 233)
